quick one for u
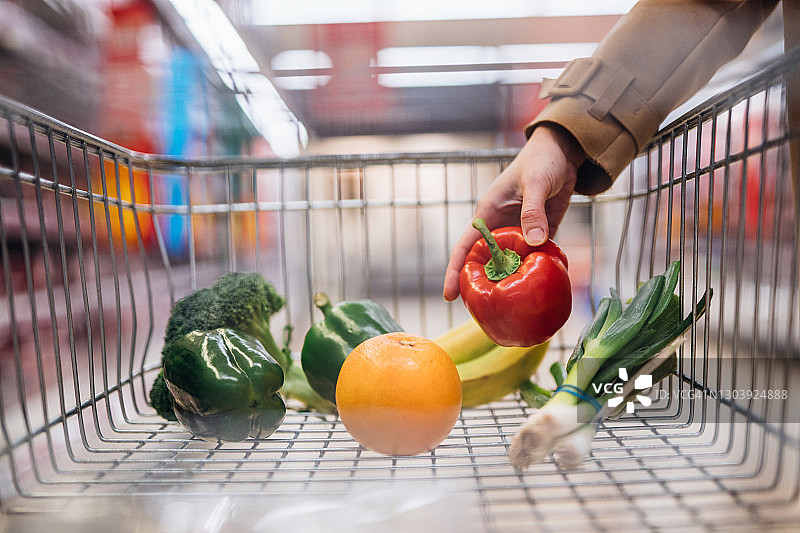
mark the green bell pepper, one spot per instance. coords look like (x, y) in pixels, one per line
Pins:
(328, 342)
(225, 385)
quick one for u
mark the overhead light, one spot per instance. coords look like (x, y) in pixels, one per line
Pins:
(299, 61)
(281, 12)
(516, 58)
(523, 76)
(239, 70)
(540, 52)
(437, 79)
(410, 56)
(475, 77)
(416, 66)
(269, 114)
(301, 83)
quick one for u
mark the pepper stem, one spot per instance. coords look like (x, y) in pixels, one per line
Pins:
(503, 262)
(322, 301)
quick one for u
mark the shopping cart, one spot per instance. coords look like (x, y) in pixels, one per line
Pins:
(95, 251)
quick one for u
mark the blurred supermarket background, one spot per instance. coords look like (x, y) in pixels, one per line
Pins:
(282, 79)
(269, 77)
(259, 110)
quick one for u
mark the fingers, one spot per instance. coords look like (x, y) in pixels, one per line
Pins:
(533, 216)
(547, 186)
(543, 212)
(456, 263)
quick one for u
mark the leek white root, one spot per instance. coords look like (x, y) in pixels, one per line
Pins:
(572, 450)
(537, 436)
(534, 439)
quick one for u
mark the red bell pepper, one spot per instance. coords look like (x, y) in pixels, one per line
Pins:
(519, 294)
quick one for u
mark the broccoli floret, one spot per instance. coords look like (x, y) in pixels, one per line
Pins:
(197, 311)
(161, 398)
(238, 300)
(247, 301)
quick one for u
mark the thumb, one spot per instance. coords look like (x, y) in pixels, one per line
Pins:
(533, 217)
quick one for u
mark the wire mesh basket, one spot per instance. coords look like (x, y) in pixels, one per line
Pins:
(98, 242)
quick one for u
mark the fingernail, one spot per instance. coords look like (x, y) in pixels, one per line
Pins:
(535, 236)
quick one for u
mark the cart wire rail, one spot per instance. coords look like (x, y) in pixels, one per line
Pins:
(98, 242)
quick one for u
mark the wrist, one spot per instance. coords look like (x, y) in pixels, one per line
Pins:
(553, 133)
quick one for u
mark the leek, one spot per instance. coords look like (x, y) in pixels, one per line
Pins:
(639, 338)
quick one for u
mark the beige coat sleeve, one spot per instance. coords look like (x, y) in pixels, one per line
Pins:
(654, 59)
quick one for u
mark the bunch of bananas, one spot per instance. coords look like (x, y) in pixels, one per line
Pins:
(488, 372)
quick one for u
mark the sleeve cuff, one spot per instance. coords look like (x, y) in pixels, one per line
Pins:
(607, 146)
(599, 106)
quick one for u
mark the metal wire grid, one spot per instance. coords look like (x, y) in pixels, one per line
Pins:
(90, 270)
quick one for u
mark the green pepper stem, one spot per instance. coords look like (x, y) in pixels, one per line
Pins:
(322, 302)
(503, 262)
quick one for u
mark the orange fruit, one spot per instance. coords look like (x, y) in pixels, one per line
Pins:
(398, 394)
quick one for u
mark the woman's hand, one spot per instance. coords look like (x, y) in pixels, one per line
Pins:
(532, 192)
